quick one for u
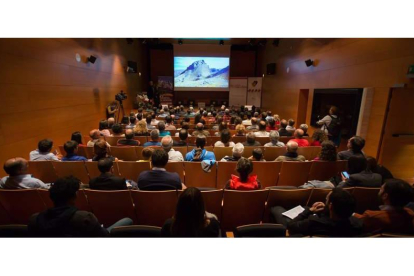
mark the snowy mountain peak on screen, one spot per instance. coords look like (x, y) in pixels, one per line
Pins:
(199, 74)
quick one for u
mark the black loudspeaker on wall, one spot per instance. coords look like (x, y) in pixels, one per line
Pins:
(132, 67)
(271, 69)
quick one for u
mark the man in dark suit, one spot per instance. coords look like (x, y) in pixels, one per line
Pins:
(333, 218)
(158, 179)
(282, 130)
(150, 92)
(129, 139)
(183, 134)
(107, 181)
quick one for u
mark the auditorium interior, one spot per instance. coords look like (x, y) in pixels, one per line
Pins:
(53, 87)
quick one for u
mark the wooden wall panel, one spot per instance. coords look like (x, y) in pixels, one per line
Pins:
(46, 93)
(339, 63)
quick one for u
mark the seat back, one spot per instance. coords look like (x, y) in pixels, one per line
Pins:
(154, 207)
(224, 172)
(365, 199)
(271, 153)
(267, 172)
(177, 167)
(75, 168)
(142, 139)
(21, 204)
(220, 152)
(183, 150)
(4, 216)
(211, 140)
(131, 170)
(310, 153)
(263, 140)
(112, 140)
(318, 195)
(14, 231)
(136, 231)
(263, 230)
(86, 151)
(42, 170)
(213, 202)
(93, 171)
(62, 150)
(195, 176)
(111, 206)
(286, 198)
(238, 139)
(138, 152)
(242, 207)
(248, 151)
(124, 153)
(322, 170)
(294, 173)
(81, 203)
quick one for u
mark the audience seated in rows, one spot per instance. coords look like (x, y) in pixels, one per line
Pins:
(282, 129)
(257, 155)
(100, 150)
(146, 154)
(318, 137)
(107, 181)
(274, 140)
(132, 122)
(95, 136)
(374, 167)
(129, 139)
(355, 146)
(359, 175)
(328, 152)
(237, 153)
(333, 218)
(148, 121)
(304, 127)
(158, 178)
(43, 152)
(254, 125)
(64, 219)
(291, 126)
(291, 153)
(141, 129)
(167, 144)
(111, 122)
(169, 123)
(183, 135)
(240, 130)
(262, 130)
(221, 127)
(393, 216)
(251, 140)
(225, 137)
(191, 218)
(271, 124)
(298, 134)
(200, 153)
(247, 122)
(17, 169)
(154, 121)
(77, 137)
(71, 148)
(154, 139)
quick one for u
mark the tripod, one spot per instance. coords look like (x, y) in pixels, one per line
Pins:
(120, 108)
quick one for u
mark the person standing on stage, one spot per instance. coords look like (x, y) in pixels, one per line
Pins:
(331, 124)
(151, 92)
(111, 110)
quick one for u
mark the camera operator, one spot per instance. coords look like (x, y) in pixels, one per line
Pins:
(111, 109)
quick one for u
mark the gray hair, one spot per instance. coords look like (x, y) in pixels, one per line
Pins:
(304, 127)
(155, 134)
(238, 149)
(274, 135)
(167, 143)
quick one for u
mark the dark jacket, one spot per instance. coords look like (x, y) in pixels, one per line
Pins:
(362, 179)
(108, 181)
(65, 221)
(180, 143)
(212, 230)
(256, 144)
(346, 154)
(159, 180)
(308, 224)
(284, 132)
(127, 142)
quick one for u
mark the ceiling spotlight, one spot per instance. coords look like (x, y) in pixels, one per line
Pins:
(180, 42)
(92, 59)
(276, 42)
(221, 42)
(309, 62)
(129, 40)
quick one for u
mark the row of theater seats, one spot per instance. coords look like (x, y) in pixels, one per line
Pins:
(135, 153)
(210, 139)
(191, 173)
(233, 208)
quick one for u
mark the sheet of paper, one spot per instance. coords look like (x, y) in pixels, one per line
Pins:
(294, 212)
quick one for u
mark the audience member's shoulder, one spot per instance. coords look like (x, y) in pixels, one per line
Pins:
(301, 158)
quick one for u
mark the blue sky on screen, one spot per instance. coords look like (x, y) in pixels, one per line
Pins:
(181, 63)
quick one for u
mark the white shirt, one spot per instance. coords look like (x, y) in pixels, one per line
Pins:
(247, 122)
(175, 155)
(261, 134)
(221, 144)
(325, 122)
(24, 181)
(35, 155)
(278, 144)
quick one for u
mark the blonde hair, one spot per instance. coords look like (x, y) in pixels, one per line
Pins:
(141, 127)
(276, 118)
(240, 129)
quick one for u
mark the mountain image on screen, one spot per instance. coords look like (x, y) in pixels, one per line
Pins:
(199, 74)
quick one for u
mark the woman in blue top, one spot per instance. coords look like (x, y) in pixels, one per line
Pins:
(199, 153)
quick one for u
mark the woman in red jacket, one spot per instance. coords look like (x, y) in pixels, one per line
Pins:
(244, 181)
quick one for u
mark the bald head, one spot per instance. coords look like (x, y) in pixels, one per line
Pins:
(111, 121)
(254, 121)
(200, 126)
(283, 123)
(298, 133)
(167, 143)
(95, 134)
(292, 146)
(129, 134)
(15, 166)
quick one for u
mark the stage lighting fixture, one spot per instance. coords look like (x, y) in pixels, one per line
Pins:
(92, 59)
(309, 62)
(180, 42)
(129, 40)
(221, 42)
(276, 42)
